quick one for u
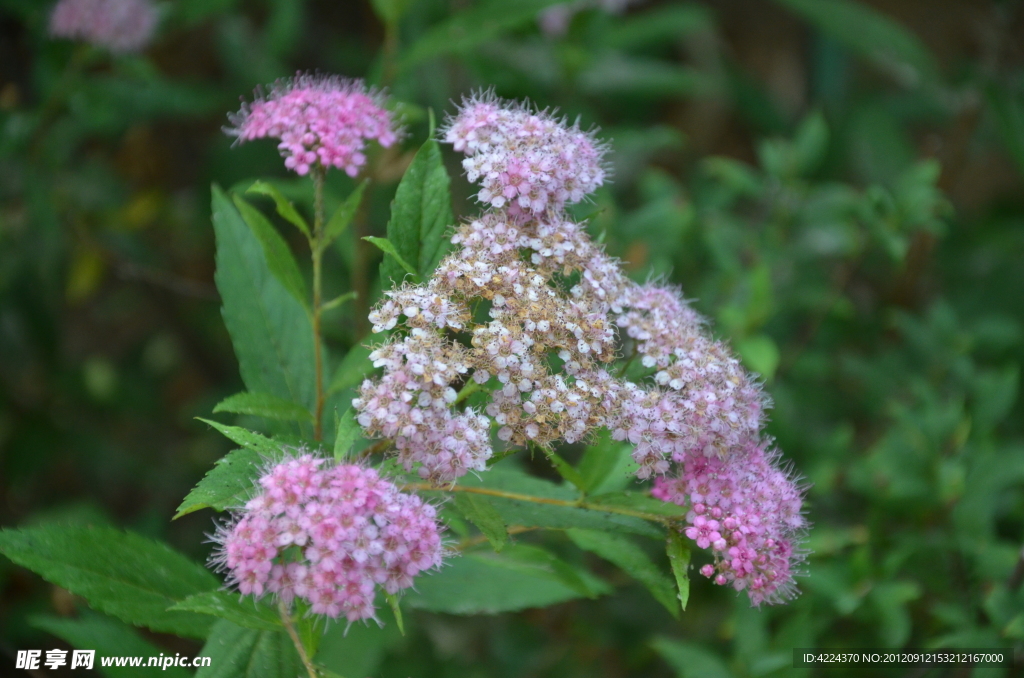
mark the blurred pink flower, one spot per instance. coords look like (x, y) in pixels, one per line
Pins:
(118, 25)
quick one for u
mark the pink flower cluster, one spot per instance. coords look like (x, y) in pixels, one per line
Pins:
(319, 119)
(525, 160)
(559, 312)
(328, 534)
(118, 25)
(748, 511)
(412, 403)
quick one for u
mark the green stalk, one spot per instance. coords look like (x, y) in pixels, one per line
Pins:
(318, 251)
(286, 619)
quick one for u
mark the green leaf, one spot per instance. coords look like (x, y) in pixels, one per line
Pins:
(343, 216)
(264, 405)
(246, 612)
(270, 330)
(357, 650)
(473, 27)
(349, 431)
(528, 513)
(109, 638)
(760, 354)
(1008, 112)
(638, 501)
(120, 573)
(228, 484)
(284, 206)
(871, 34)
(679, 558)
(667, 23)
(478, 510)
(396, 609)
(279, 257)
(488, 583)
(810, 143)
(603, 464)
(623, 553)
(248, 439)
(617, 74)
(237, 652)
(420, 214)
(354, 367)
(390, 11)
(565, 469)
(387, 247)
(690, 660)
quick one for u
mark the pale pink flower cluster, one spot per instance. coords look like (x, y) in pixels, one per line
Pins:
(329, 535)
(412, 405)
(118, 25)
(747, 509)
(319, 119)
(526, 160)
(559, 312)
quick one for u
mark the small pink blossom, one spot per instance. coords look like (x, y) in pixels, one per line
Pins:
(353, 530)
(118, 25)
(319, 120)
(525, 160)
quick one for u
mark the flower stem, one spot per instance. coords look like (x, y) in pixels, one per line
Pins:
(318, 251)
(286, 619)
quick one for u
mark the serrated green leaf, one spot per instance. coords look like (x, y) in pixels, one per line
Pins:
(349, 431)
(488, 583)
(555, 516)
(621, 552)
(248, 439)
(245, 612)
(388, 248)
(343, 216)
(280, 260)
(120, 573)
(638, 501)
(478, 510)
(284, 206)
(420, 214)
(270, 330)
(679, 558)
(226, 485)
(354, 367)
(237, 652)
(264, 405)
(108, 637)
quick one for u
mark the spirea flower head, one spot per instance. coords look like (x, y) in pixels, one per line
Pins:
(328, 535)
(559, 312)
(118, 25)
(318, 119)
(747, 509)
(524, 159)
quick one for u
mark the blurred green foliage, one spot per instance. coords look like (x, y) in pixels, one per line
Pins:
(837, 183)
